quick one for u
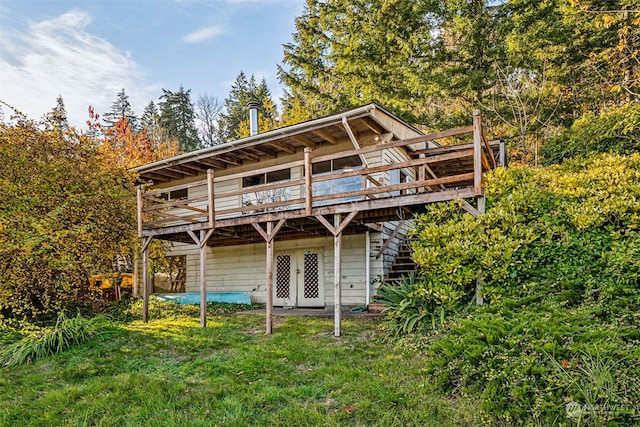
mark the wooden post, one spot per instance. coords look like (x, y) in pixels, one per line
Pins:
(212, 216)
(308, 170)
(479, 297)
(203, 280)
(477, 153)
(337, 274)
(482, 204)
(140, 206)
(269, 237)
(145, 283)
(421, 174)
(502, 156)
(201, 241)
(269, 310)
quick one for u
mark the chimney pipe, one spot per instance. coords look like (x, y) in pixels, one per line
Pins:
(253, 117)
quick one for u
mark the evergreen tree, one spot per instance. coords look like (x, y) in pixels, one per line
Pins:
(351, 52)
(150, 122)
(58, 116)
(236, 112)
(121, 108)
(177, 117)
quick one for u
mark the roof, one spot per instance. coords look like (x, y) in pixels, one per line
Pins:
(367, 119)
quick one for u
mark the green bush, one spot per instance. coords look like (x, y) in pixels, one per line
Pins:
(410, 303)
(559, 253)
(616, 130)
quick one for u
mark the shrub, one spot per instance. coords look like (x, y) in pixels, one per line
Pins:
(559, 252)
(616, 130)
(410, 303)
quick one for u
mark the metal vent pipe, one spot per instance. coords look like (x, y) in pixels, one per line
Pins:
(253, 117)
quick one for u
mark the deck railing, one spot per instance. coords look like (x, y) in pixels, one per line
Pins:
(433, 169)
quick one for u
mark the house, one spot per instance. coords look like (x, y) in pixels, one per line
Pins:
(309, 215)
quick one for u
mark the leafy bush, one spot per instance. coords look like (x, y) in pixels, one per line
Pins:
(67, 333)
(559, 252)
(528, 361)
(66, 210)
(616, 130)
(410, 303)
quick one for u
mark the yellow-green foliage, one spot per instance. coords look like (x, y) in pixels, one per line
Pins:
(559, 252)
(616, 129)
(65, 212)
(568, 230)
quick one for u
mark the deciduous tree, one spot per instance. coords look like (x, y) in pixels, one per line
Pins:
(66, 211)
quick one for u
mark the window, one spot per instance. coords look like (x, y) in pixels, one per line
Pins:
(337, 165)
(266, 178)
(175, 195)
(337, 185)
(266, 196)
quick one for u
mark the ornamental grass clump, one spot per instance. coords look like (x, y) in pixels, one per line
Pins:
(66, 333)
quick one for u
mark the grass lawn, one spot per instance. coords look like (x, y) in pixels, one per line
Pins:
(171, 372)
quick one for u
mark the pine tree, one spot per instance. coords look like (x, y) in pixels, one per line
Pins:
(236, 112)
(177, 117)
(121, 108)
(58, 115)
(351, 52)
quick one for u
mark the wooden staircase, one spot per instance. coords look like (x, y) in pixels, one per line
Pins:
(402, 265)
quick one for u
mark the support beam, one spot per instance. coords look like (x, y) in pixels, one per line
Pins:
(203, 281)
(145, 279)
(354, 140)
(201, 241)
(140, 207)
(336, 229)
(367, 266)
(269, 236)
(308, 170)
(467, 207)
(337, 276)
(269, 287)
(482, 204)
(477, 153)
(211, 196)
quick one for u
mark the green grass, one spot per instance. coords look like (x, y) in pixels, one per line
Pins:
(171, 372)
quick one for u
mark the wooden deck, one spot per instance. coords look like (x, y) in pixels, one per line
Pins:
(440, 174)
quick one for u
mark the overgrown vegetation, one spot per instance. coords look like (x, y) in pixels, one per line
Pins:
(66, 211)
(559, 255)
(616, 130)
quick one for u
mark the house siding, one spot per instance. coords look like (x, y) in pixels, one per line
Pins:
(242, 268)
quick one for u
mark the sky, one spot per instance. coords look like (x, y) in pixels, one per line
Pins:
(87, 51)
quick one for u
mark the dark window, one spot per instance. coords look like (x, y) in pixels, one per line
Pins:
(321, 167)
(175, 195)
(351, 162)
(346, 163)
(266, 178)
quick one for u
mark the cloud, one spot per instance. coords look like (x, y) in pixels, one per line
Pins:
(202, 34)
(60, 57)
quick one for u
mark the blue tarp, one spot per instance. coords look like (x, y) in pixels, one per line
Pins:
(194, 297)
